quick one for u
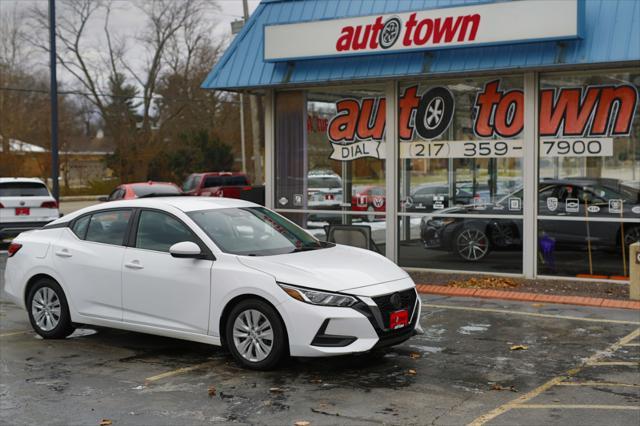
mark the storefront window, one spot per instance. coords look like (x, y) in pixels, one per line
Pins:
(460, 148)
(589, 189)
(329, 153)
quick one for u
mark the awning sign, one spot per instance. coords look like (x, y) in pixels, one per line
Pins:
(480, 24)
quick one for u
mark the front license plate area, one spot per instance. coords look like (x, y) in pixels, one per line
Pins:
(399, 319)
(23, 211)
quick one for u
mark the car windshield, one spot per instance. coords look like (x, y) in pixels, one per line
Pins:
(156, 188)
(23, 189)
(190, 183)
(254, 231)
(330, 182)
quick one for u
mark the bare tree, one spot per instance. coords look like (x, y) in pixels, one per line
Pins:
(96, 70)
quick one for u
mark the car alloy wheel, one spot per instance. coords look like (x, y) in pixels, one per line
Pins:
(46, 308)
(253, 335)
(472, 244)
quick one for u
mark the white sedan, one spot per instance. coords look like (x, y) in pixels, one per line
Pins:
(212, 270)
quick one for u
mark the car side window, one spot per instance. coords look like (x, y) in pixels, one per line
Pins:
(108, 227)
(158, 231)
(80, 226)
(117, 194)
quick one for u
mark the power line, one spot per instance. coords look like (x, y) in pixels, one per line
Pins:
(105, 95)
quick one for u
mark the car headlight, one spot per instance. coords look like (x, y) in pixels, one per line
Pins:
(316, 297)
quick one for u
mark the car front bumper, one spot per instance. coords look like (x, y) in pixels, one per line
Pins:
(328, 331)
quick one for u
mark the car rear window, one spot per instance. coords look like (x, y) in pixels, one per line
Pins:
(212, 181)
(325, 182)
(23, 189)
(142, 190)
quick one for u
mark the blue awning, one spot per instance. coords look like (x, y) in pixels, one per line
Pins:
(611, 35)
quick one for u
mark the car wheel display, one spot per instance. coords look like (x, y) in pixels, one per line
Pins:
(255, 335)
(371, 214)
(632, 235)
(48, 310)
(502, 235)
(471, 244)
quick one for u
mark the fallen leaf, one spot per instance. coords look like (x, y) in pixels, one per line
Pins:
(414, 355)
(484, 282)
(316, 381)
(519, 347)
(276, 390)
(499, 387)
(537, 305)
(411, 372)
(105, 422)
(302, 423)
(212, 391)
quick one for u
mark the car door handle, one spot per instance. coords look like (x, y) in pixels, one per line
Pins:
(134, 265)
(63, 253)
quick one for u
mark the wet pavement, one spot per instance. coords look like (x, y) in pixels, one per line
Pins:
(450, 375)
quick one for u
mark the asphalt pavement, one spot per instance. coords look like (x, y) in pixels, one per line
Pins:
(576, 365)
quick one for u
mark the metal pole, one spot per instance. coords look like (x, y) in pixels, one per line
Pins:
(54, 100)
(244, 155)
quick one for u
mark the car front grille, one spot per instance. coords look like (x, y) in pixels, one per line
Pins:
(386, 306)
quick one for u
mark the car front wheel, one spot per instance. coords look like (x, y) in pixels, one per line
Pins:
(471, 244)
(255, 335)
(48, 310)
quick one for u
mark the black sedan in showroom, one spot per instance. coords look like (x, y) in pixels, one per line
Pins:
(472, 238)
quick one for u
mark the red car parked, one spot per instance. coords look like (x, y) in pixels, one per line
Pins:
(129, 191)
(217, 184)
(370, 199)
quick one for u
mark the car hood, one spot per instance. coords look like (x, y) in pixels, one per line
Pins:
(336, 268)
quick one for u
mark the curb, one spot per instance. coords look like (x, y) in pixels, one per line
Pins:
(527, 297)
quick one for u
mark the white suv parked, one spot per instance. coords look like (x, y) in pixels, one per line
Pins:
(25, 203)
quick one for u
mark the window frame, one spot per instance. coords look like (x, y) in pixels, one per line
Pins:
(132, 235)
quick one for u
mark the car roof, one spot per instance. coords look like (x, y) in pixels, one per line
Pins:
(184, 203)
(20, 179)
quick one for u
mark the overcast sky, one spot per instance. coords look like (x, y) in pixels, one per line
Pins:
(126, 21)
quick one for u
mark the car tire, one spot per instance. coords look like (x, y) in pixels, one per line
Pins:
(631, 235)
(255, 335)
(48, 310)
(472, 244)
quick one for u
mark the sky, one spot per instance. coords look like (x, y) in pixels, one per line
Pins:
(126, 21)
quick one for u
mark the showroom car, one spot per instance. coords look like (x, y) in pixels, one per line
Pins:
(370, 199)
(25, 203)
(473, 238)
(212, 270)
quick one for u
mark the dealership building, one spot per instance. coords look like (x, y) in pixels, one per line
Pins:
(497, 137)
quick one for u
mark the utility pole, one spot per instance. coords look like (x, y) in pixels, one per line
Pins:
(255, 123)
(54, 100)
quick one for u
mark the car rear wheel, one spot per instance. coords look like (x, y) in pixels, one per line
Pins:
(255, 335)
(631, 235)
(472, 244)
(48, 310)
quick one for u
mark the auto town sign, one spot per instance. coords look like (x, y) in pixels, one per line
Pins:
(572, 122)
(484, 24)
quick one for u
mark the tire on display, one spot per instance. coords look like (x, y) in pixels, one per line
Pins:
(48, 310)
(471, 244)
(255, 335)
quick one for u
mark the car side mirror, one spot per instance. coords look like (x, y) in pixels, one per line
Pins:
(186, 250)
(103, 199)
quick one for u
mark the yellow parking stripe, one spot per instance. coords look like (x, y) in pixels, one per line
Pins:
(579, 406)
(176, 372)
(14, 333)
(554, 381)
(531, 314)
(599, 384)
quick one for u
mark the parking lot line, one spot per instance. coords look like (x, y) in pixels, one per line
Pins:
(176, 372)
(604, 363)
(532, 314)
(599, 384)
(14, 333)
(578, 406)
(635, 345)
(554, 381)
